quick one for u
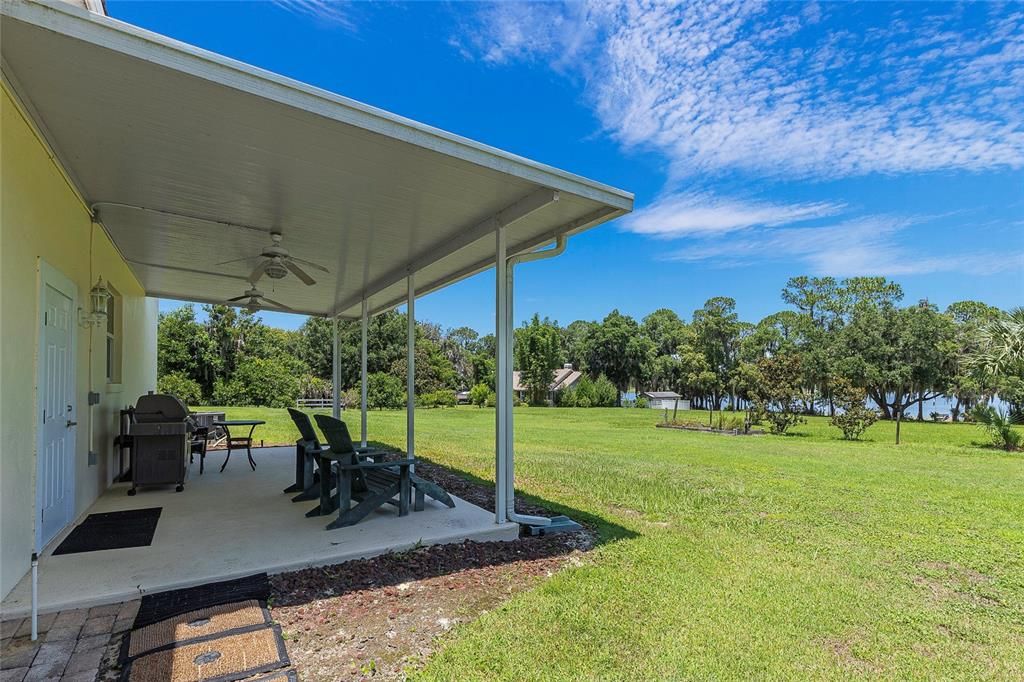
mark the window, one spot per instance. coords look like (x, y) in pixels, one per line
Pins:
(113, 338)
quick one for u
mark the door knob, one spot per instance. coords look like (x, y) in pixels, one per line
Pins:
(71, 423)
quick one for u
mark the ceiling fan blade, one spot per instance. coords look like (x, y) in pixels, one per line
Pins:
(258, 271)
(238, 298)
(274, 303)
(299, 272)
(309, 264)
(236, 260)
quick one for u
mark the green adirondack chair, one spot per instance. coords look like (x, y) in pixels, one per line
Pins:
(370, 484)
(307, 461)
(307, 449)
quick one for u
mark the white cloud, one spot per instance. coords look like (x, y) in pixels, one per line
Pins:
(863, 246)
(787, 89)
(330, 11)
(511, 31)
(702, 214)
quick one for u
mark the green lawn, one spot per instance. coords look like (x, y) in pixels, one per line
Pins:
(799, 556)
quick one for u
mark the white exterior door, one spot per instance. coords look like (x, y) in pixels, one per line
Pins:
(55, 461)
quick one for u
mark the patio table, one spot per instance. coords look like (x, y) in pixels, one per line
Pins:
(239, 441)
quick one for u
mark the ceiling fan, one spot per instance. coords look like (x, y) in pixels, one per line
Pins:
(256, 300)
(275, 262)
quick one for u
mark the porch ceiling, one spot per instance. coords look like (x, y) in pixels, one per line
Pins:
(139, 119)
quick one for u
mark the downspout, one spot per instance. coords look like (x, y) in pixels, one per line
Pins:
(510, 489)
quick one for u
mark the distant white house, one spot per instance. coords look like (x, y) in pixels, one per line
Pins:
(561, 379)
(665, 400)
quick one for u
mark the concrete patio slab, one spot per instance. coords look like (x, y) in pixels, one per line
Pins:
(228, 525)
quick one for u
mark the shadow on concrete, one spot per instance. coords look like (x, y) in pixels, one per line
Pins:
(388, 570)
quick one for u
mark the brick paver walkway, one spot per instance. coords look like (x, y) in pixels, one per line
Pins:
(70, 647)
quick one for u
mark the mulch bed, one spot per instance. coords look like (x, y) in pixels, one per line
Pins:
(474, 493)
(383, 617)
(708, 429)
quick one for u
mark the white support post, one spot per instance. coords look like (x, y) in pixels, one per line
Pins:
(362, 373)
(510, 341)
(410, 371)
(502, 389)
(335, 370)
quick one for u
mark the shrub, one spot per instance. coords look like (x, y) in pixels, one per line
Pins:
(582, 394)
(732, 423)
(779, 421)
(999, 426)
(259, 382)
(352, 398)
(181, 387)
(311, 386)
(640, 402)
(604, 394)
(776, 390)
(491, 400)
(267, 382)
(588, 392)
(479, 394)
(225, 393)
(853, 417)
(384, 391)
(440, 398)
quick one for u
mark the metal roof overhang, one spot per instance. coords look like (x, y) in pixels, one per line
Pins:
(141, 120)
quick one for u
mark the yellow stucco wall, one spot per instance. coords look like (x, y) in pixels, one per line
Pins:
(42, 218)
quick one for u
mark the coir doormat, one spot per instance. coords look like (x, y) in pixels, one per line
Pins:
(198, 624)
(112, 530)
(217, 659)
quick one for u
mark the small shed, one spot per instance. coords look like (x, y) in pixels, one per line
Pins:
(665, 400)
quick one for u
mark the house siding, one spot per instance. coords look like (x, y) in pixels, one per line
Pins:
(668, 404)
(42, 218)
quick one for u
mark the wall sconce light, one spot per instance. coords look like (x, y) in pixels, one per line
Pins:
(97, 314)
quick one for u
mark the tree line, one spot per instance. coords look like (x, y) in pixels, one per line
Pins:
(836, 343)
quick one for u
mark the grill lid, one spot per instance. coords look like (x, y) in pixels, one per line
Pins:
(160, 429)
(160, 407)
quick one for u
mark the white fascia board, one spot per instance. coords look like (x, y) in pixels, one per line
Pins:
(152, 47)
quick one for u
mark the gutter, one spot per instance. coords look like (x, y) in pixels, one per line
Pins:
(561, 242)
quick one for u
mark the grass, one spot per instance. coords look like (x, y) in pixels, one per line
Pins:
(783, 557)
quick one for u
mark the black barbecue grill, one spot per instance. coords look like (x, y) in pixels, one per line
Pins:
(160, 434)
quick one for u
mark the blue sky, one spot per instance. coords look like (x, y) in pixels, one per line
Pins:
(761, 141)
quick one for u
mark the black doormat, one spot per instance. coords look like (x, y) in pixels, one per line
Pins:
(164, 605)
(112, 530)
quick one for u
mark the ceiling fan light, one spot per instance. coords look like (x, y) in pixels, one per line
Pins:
(275, 271)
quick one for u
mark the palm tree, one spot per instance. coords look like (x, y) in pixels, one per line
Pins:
(999, 426)
(1000, 356)
(1001, 344)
